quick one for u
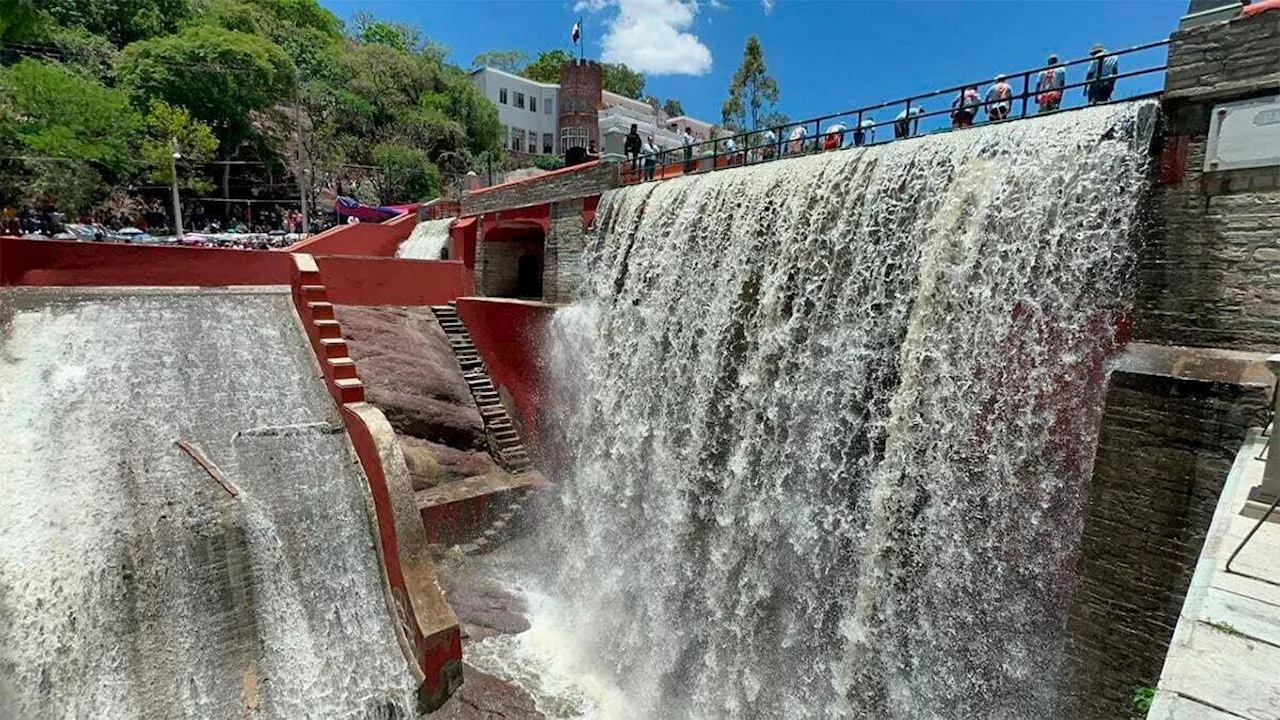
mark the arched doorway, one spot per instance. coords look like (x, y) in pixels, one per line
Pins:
(513, 261)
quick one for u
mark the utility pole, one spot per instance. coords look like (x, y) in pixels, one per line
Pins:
(304, 180)
(177, 203)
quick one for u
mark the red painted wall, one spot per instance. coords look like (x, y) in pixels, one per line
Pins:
(392, 281)
(462, 242)
(509, 336)
(363, 239)
(58, 263)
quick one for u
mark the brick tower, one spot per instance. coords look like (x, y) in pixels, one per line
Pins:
(581, 83)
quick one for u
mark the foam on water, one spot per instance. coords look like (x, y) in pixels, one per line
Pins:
(825, 424)
(427, 241)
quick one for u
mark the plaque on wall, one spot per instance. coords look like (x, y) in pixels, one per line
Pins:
(1244, 134)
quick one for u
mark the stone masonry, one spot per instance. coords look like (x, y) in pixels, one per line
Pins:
(1209, 269)
(1164, 451)
(562, 271)
(576, 182)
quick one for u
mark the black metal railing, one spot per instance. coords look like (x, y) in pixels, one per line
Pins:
(809, 136)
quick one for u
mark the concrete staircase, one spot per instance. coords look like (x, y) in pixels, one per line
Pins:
(504, 441)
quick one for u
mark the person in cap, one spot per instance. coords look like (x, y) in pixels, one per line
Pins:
(1101, 78)
(999, 99)
(1049, 85)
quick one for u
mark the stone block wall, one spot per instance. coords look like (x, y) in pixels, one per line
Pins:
(562, 271)
(1166, 446)
(575, 182)
(1208, 271)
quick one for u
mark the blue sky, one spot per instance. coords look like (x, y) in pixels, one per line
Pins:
(827, 55)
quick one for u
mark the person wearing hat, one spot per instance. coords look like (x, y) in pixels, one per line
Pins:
(999, 100)
(1049, 85)
(1101, 79)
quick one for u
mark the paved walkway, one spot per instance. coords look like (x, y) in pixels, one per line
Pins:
(1224, 660)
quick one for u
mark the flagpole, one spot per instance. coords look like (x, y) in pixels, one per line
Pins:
(582, 42)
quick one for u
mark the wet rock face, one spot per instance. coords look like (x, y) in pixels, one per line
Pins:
(410, 372)
(485, 697)
(483, 606)
(431, 464)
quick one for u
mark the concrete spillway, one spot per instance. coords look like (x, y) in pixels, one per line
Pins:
(132, 584)
(828, 422)
(427, 241)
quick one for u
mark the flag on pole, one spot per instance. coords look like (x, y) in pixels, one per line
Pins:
(577, 32)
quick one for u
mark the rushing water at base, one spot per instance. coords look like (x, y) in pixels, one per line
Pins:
(827, 423)
(427, 241)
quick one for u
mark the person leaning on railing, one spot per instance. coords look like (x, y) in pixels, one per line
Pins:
(965, 107)
(650, 157)
(1101, 78)
(999, 99)
(1049, 85)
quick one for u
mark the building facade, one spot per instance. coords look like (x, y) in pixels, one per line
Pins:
(576, 112)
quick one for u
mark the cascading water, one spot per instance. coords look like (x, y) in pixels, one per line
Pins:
(828, 422)
(427, 241)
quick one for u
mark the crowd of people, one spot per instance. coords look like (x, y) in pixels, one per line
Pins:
(646, 156)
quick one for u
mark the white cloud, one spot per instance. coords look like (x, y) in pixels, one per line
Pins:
(652, 36)
(768, 6)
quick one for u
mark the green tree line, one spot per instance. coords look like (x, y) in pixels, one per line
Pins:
(95, 96)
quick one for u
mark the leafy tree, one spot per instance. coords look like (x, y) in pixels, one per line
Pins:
(752, 91)
(219, 75)
(20, 20)
(619, 78)
(411, 175)
(397, 36)
(506, 60)
(168, 129)
(308, 33)
(673, 108)
(546, 68)
(121, 21)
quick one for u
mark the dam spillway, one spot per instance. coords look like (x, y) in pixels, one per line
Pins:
(824, 426)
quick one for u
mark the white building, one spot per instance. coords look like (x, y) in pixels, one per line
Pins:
(529, 109)
(526, 109)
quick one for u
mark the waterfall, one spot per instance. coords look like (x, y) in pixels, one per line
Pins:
(826, 425)
(427, 241)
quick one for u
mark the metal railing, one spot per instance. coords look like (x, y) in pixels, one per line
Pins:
(756, 146)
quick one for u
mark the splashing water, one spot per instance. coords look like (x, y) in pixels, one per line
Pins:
(427, 241)
(827, 423)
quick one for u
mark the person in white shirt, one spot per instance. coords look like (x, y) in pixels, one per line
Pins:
(768, 147)
(686, 138)
(651, 151)
(796, 145)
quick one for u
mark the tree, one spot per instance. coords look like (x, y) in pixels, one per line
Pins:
(168, 129)
(411, 175)
(121, 21)
(20, 20)
(752, 91)
(505, 60)
(308, 33)
(619, 78)
(673, 108)
(219, 76)
(546, 68)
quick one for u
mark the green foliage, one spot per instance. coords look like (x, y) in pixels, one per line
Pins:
(548, 162)
(619, 78)
(60, 114)
(308, 33)
(752, 91)
(546, 68)
(673, 108)
(21, 21)
(506, 60)
(121, 21)
(219, 75)
(397, 36)
(1142, 698)
(411, 175)
(169, 129)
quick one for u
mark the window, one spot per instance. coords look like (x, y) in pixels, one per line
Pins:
(520, 100)
(533, 103)
(573, 137)
(506, 139)
(548, 144)
(546, 107)
(517, 139)
(502, 95)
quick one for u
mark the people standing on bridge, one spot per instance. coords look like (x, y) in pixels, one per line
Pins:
(768, 145)
(965, 107)
(1101, 78)
(833, 137)
(650, 157)
(631, 147)
(908, 122)
(999, 100)
(1049, 85)
(686, 138)
(796, 144)
(865, 132)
